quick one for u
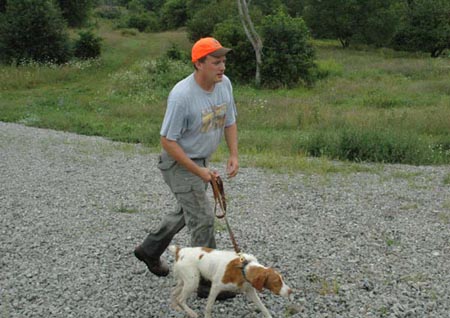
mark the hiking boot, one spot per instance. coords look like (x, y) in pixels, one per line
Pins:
(204, 287)
(157, 266)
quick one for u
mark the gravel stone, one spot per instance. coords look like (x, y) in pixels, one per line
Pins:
(373, 243)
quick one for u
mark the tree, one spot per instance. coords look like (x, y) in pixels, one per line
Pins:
(333, 19)
(267, 7)
(426, 27)
(365, 21)
(152, 5)
(76, 12)
(174, 14)
(205, 18)
(140, 18)
(252, 36)
(88, 46)
(379, 21)
(288, 55)
(294, 7)
(2, 6)
(33, 30)
(194, 6)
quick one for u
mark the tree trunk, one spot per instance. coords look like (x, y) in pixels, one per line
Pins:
(344, 42)
(252, 36)
(437, 52)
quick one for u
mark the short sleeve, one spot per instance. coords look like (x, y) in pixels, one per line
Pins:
(174, 119)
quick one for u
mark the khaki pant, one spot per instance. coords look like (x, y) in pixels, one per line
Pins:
(193, 209)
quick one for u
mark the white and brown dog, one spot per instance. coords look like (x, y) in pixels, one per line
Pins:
(227, 271)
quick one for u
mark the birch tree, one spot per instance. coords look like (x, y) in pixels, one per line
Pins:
(252, 36)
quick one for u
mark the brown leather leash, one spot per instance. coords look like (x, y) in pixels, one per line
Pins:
(220, 200)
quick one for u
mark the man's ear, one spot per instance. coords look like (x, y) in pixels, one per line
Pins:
(198, 65)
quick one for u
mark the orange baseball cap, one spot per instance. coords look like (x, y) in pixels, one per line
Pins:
(208, 46)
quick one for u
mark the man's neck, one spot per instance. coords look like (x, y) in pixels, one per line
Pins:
(205, 85)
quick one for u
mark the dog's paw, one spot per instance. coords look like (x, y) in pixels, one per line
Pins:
(176, 306)
(192, 314)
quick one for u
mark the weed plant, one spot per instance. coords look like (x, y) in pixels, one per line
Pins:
(372, 105)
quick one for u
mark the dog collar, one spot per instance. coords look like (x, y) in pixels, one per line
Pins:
(244, 266)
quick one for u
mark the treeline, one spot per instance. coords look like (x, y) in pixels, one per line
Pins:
(286, 27)
(37, 29)
(412, 25)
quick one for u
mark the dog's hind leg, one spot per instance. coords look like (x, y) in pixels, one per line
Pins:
(175, 295)
(189, 286)
(253, 296)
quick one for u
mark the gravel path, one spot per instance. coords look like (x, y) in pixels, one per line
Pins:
(362, 244)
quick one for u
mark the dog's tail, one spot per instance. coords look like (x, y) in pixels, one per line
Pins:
(174, 249)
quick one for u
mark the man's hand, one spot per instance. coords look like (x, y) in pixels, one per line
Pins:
(207, 174)
(232, 167)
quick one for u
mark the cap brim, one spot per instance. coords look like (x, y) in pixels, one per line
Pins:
(220, 52)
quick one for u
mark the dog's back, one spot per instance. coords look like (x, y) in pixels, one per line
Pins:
(210, 263)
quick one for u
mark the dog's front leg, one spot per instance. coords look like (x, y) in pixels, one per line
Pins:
(253, 296)
(214, 291)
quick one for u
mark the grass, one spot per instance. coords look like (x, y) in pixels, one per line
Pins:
(325, 286)
(374, 105)
(446, 180)
(126, 209)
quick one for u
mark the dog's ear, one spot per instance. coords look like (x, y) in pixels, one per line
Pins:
(274, 281)
(259, 279)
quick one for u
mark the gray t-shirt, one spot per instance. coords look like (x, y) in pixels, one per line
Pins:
(196, 118)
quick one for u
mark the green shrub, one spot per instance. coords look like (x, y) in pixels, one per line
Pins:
(319, 143)
(129, 32)
(376, 146)
(176, 53)
(33, 30)
(88, 46)
(173, 14)
(204, 21)
(108, 12)
(369, 145)
(138, 17)
(143, 21)
(288, 55)
(149, 81)
(164, 73)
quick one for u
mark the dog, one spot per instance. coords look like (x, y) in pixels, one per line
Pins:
(227, 271)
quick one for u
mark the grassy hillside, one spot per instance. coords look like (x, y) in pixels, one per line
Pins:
(374, 105)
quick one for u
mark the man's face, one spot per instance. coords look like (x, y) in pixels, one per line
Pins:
(213, 68)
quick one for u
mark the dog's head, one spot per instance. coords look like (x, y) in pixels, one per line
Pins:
(262, 277)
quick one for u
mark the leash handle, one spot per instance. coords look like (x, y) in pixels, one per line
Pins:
(219, 197)
(220, 200)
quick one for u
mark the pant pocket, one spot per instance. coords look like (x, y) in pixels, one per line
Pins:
(186, 181)
(166, 164)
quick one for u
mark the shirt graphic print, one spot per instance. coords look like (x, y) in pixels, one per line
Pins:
(213, 118)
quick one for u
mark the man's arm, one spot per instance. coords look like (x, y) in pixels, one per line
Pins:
(178, 154)
(231, 138)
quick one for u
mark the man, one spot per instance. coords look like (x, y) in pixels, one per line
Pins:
(200, 110)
